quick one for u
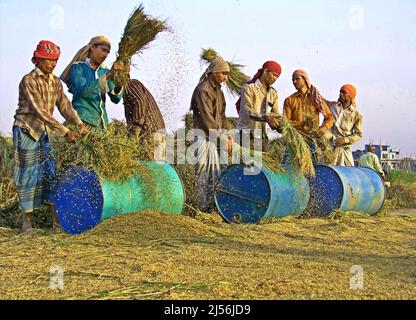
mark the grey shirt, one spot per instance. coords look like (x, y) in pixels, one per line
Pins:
(208, 106)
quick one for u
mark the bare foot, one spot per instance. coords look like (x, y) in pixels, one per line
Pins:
(56, 228)
(27, 222)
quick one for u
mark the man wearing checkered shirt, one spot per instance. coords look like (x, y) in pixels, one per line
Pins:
(35, 169)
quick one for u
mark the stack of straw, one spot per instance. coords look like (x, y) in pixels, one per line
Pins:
(111, 154)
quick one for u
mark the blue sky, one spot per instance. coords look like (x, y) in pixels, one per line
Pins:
(371, 44)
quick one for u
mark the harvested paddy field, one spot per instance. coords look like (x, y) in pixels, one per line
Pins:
(149, 255)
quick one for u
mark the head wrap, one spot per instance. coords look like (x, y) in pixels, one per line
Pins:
(217, 65)
(269, 65)
(82, 54)
(371, 148)
(317, 99)
(47, 50)
(351, 91)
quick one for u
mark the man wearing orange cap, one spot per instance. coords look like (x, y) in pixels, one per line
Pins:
(259, 103)
(35, 167)
(347, 129)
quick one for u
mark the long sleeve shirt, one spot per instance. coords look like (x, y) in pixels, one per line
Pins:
(348, 123)
(299, 108)
(255, 102)
(89, 88)
(208, 106)
(38, 96)
(141, 109)
(370, 160)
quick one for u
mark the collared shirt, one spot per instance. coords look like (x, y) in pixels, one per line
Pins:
(89, 88)
(299, 108)
(255, 102)
(208, 106)
(370, 160)
(38, 96)
(348, 123)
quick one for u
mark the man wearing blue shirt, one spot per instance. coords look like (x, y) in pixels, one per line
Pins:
(89, 82)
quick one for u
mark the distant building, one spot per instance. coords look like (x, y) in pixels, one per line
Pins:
(388, 156)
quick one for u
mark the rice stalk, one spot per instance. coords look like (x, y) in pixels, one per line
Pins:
(6, 157)
(139, 32)
(298, 151)
(111, 154)
(236, 78)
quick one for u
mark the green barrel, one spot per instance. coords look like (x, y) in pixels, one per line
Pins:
(84, 199)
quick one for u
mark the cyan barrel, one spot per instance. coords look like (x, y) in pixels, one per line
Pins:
(346, 189)
(84, 199)
(249, 198)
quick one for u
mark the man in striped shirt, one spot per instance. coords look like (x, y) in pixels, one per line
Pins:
(35, 170)
(143, 117)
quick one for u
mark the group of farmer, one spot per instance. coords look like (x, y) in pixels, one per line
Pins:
(90, 82)
(258, 106)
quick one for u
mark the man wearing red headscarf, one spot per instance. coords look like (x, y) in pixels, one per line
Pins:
(259, 104)
(347, 129)
(35, 167)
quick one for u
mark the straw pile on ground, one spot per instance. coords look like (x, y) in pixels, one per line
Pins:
(401, 196)
(152, 256)
(139, 32)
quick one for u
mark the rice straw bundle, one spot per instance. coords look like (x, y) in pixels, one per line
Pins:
(6, 157)
(299, 153)
(112, 154)
(236, 78)
(8, 195)
(139, 31)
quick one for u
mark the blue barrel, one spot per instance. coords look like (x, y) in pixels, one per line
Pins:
(84, 199)
(345, 188)
(248, 198)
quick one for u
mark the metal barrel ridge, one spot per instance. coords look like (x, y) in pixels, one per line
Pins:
(84, 199)
(245, 198)
(345, 188)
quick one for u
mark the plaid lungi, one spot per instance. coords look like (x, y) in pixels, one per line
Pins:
(35, 170)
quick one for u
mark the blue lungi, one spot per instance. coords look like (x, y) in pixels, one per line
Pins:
(35, 170)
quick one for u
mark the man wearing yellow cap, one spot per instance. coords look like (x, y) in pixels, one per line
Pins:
(347, 129)
(89, 82)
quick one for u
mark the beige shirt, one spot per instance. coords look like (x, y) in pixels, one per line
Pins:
(38, 96)
(255, 102)
(348, 123)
